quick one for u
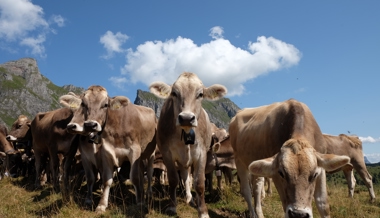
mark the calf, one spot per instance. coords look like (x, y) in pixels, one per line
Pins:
(184, 134)
(118, 131)
(283, 141)
(352, 147)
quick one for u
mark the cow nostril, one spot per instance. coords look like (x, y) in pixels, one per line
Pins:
(71, 126)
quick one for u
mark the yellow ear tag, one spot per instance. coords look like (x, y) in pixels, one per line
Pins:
(74, 105)
(116, 106)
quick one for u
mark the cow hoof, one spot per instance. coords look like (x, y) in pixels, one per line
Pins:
(88, 202)
(204, 216)
(100, 209)
(171, 211)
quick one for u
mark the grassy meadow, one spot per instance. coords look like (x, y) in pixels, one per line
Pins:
(19, 200)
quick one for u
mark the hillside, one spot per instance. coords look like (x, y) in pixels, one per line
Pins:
(24, 90)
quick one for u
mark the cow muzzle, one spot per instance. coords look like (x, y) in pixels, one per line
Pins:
(74, 128)
(92, 126)
(187, 119)
(298, 213)
(11, 138)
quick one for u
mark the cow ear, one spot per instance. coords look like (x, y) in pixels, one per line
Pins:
(118, 102)
(214, 92)
(332, 162)
(216, 147)
(160, 89)
(70, 101)
(264, 167)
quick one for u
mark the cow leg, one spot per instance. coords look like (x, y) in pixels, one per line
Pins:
(349, 174)
(258, 189)
(199, 185)
(208, 181)
(137, 175)
(37, 162)
(245, 189)
(90, 179)
(320, 195)
(107, 179)
(149, 172)
(227, 175)
(173, 178)
(269, 189)
(186, 178)
(367, 178)
(54, 168)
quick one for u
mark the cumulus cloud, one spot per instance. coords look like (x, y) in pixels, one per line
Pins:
(217, 61)
(112, 43)
(119, 82)
(369, 139)
(23, 22)
(216, 32)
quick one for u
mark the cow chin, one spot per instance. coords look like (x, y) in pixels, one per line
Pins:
(294, 212)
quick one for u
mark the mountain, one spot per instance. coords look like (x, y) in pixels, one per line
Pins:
(220, 112)
(366, 160)
(24, 90)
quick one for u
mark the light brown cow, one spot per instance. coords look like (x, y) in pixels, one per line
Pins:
(352, 147)
(184, 134)
(283, 141)
(121, 131)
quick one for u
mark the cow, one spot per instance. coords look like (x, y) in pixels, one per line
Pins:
(184, 134)
(352, 147)
(21, 136)
(113, 130)
(11, 156)
(221, 159)
(49, 139)
(283, 141)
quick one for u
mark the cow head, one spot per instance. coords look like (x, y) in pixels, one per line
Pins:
(91, 109)
(20, 130)
(186, 95)
(296, 168)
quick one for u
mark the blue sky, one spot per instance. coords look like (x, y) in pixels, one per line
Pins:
(323, 53)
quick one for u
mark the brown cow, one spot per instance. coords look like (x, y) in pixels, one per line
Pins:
(11, 155)
(221, 159)
(283, 141)
(352, 147)
(184, 134)
(121, 131)
(50, 137)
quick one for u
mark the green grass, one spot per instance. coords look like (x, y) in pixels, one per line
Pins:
(18, 200)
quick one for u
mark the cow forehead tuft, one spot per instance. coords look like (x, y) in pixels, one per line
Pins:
(297, 145)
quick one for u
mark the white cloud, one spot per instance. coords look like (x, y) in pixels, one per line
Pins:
(119, 82)
(369, 139)
(36, 44)
(23, 22)
(59, 20)
(112, 43)
(217, 61)
(216, 32)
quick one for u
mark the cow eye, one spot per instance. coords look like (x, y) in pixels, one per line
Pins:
(312, 177)
(281, 174)
(19, 126)
(173, 94)
(105, 105)
(200, 95)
